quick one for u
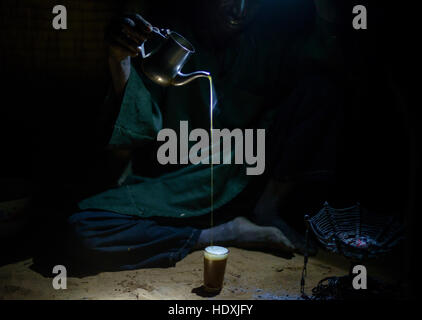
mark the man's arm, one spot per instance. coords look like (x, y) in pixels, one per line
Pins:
(124, 36)
(120, 72)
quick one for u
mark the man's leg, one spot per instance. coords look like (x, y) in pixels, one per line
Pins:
(112, 241)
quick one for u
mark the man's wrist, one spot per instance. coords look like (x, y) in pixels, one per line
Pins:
(116, 61)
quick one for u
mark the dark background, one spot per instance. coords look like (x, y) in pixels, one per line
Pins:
(53, 83)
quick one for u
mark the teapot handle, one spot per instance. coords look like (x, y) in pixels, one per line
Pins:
(160, 34)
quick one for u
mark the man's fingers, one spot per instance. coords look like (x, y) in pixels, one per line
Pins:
(126, 44)
(133, 35)
(121, 52)
(122, 36)
(141, 25)
(126, 34)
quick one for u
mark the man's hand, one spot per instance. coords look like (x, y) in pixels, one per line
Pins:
(124, 36)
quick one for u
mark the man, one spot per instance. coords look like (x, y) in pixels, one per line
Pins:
(257, 60)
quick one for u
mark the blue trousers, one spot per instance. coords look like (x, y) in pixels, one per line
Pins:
(112, 242)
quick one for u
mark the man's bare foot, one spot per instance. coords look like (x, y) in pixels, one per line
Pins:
(250, 235)
(267, 213)
(242, 233)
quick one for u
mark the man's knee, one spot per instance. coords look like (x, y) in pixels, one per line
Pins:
(81, 232)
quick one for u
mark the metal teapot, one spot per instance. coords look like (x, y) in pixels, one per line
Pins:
(164, 63)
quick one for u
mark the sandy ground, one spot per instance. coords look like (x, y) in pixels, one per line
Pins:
(249, 275)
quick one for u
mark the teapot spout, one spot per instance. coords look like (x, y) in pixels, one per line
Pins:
(182, 79)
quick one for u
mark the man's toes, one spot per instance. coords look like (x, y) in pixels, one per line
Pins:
(283, 240)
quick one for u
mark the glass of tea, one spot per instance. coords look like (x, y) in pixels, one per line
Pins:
(215, 259)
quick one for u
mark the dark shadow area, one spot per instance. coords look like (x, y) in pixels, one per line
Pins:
(14, 250)
(202, 292)
(54, 86)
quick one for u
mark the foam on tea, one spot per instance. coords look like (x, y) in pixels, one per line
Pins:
(216, 253)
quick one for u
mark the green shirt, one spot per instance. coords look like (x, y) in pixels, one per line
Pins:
(250, 77)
